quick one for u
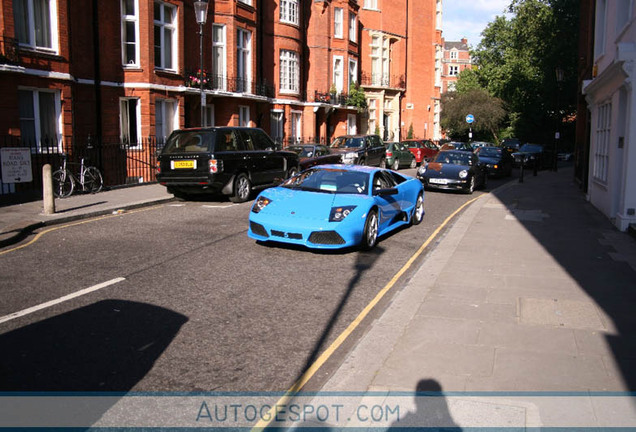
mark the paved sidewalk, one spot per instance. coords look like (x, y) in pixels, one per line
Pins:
(17, 220)
(531, 290)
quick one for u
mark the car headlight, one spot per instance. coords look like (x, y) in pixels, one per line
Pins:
(463, 174)
(350, 155)
(260, 204)
(421, 170)
(338, 214)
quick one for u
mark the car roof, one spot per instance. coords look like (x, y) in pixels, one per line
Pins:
(352, 168)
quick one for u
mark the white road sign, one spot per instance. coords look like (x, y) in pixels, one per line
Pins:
(16, 165)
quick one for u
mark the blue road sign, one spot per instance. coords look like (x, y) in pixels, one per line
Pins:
(470, 118)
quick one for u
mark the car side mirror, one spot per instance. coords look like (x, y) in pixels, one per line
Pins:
(385, 192)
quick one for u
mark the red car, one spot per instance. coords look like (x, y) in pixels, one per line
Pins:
(423, 150)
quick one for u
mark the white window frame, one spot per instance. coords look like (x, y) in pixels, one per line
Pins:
(353, 72)
(30, 30)
(372, 115)
(353, 27)
(124, 119)
(338, 73)
(247, 2)
(289, 12)
(244, 60)
(352, 126)
(600, 28)
(244, 116)
(453, 70)
(454, 54)
(166, 122)
(297, 126)
(370, 4)
(36, 120)
(162, 44)
(289, 72)
(603, 136)
(219, 74)
(125, 20)
(277, 125)
(338, 17)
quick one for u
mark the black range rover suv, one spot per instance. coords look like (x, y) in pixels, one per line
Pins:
(222, 160)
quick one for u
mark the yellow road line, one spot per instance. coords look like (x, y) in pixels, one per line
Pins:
(82, 222)
(322, 359)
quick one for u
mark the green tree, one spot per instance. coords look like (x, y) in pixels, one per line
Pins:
(488, 111)
(516, 62)
(409, 135)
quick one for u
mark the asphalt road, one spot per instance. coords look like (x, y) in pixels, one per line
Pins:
(191, 303)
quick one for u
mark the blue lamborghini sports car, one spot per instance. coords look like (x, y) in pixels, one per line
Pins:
(337, 206)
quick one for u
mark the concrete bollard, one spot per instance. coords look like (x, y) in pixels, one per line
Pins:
(48, 199)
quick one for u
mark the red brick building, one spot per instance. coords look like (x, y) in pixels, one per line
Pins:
(456, 59)
(73, 73)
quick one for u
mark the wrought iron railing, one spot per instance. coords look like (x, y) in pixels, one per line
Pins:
(9, 51)
(383, 80)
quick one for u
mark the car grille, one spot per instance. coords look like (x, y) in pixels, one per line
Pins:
(293, 236)
(326, 238)
(258, 229)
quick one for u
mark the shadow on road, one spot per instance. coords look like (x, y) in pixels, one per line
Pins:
(107, 346)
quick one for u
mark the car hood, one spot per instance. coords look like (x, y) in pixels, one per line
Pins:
(310, 205)
(435, 169)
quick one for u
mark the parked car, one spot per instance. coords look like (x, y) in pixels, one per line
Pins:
(359, 149)
(511, 145)
(398, 156)
(456, 145)
(222, 160)
(533, 154)
(498, 161)
(423, 150)
(337, 206)
(314, 154)
(479, 144)
(454, 170)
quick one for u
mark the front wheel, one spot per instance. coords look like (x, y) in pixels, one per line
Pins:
(370, 233)
(396, 164)
(413, 163)
(242, 189)
(93, 181)
(63, 184)
(292, 172)
(383, 163)
(418, 211)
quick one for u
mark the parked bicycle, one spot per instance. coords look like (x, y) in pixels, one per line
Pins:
(88, 178)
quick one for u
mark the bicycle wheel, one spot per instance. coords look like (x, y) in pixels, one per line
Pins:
(93, 181)
(63, 184)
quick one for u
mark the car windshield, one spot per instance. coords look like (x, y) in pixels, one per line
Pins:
(531, 148)
(489, 152)
(347, 142)
(453, 158)
(327, 180)
(302, 151)
(188, 142)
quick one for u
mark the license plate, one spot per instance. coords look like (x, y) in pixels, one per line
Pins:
(438, 181)
(184, 164)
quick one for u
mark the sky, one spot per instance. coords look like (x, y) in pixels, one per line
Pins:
(461, 18)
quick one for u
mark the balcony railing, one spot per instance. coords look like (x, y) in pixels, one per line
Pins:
(9, 51)
(331, 98)
(230, 84)
(383, 80)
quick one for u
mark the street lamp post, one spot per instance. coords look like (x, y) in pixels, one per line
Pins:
(201, 14)
(557, 134)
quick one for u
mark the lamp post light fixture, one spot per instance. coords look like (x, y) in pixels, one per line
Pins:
(560, 74)
(201, 15)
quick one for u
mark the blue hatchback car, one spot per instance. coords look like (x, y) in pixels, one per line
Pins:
(337, 206)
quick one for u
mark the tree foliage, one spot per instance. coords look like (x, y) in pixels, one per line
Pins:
(516, 62)
(487, 110)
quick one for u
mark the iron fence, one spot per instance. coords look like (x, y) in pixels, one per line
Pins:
(121, 163)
